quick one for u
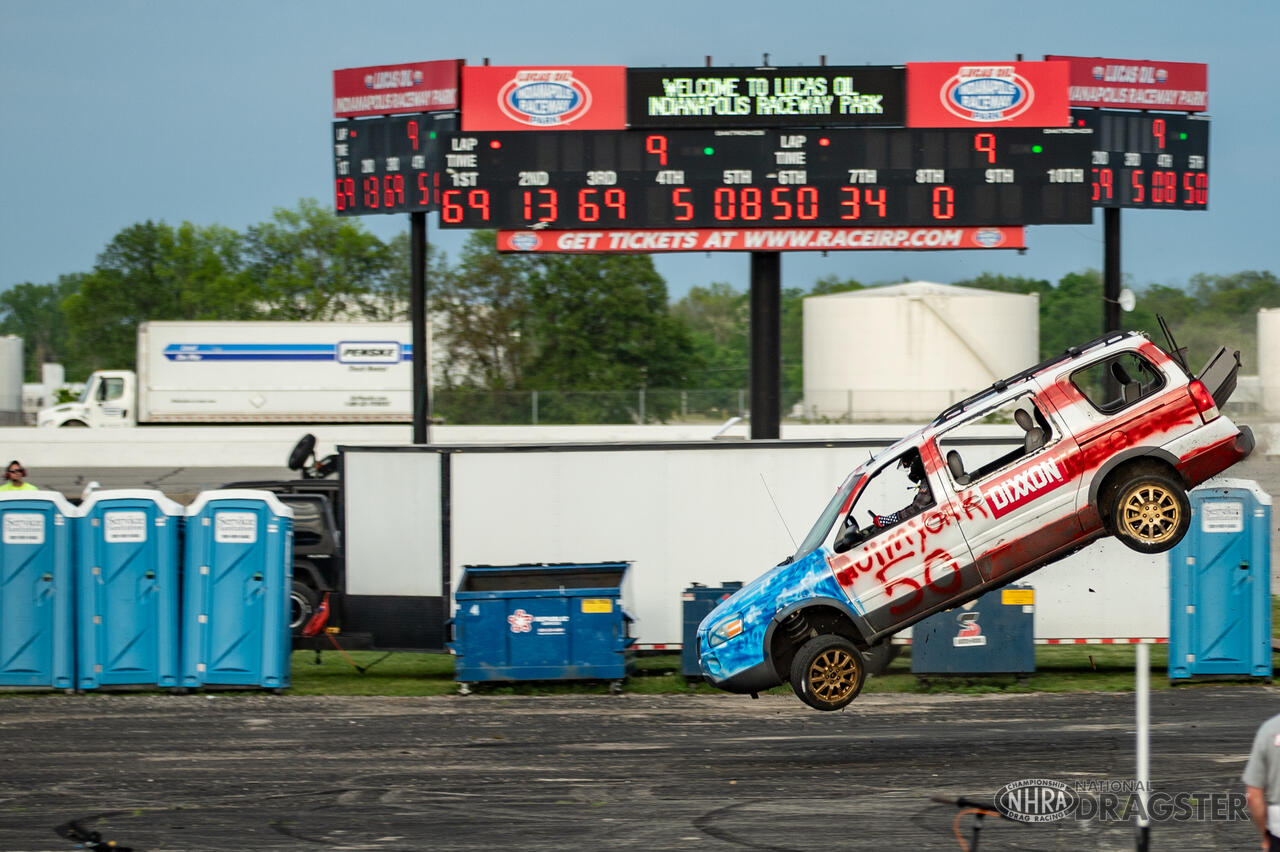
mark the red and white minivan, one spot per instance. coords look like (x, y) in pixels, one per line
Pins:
(1104, 439)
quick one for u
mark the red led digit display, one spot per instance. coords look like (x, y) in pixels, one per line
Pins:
(985, 142)
(392, 163)
(1148, 160)
(768, 177)
(345, 190)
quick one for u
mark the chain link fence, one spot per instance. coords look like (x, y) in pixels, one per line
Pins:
(647, 405)
(472, 407)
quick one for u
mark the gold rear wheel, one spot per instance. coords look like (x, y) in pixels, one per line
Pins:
(1151, 513)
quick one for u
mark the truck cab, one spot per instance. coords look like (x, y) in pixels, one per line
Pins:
(109, 399)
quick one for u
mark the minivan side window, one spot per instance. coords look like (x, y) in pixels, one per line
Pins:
(895, 493)
(1118, 382)
(1019, 420)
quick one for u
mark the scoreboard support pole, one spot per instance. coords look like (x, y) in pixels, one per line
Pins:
(1110, 269)
(766, 346)
(1110, 284)
(418, 322)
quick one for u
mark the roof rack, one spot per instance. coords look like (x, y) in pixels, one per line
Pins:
(1003, 384)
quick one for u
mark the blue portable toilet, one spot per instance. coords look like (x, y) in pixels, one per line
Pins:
(127, 558)
(1220, 584)
(237, 574)
(37, 589)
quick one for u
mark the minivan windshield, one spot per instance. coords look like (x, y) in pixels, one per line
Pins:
(818, 533)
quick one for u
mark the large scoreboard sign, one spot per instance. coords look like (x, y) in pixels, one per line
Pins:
(766, 178)
(1157, 161)
(388, 164)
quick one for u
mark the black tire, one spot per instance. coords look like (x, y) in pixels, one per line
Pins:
(827, 672)
(75, 424)
(1150, 513)
(303, 601)
(302, 451)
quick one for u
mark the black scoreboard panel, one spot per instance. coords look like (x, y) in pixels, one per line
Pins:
(1157, 161)
(388, 164)
(766, 178)
(823, 96)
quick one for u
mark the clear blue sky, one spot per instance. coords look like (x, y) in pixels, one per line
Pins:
(218, 111)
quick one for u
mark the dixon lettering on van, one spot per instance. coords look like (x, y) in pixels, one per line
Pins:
(1005, 496)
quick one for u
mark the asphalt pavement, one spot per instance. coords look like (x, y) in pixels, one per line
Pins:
(215, 772)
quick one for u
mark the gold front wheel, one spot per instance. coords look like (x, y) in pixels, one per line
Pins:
(834, 675)
(828, 672)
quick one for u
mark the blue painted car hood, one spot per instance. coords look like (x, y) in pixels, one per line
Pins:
(760, 600)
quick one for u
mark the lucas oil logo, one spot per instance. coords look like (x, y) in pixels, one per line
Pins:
(524, 241)
(987, 93)
(989, 237)
(543, 98)
(397, 78)
(368, 352)
(1008, 494)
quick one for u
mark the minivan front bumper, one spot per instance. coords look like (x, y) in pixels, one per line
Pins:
(757, 678)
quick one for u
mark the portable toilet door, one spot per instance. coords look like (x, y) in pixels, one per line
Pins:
(37, 590)
(127, 565)
(238, 572)
(1220, 584)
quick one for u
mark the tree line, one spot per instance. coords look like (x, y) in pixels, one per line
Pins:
(511, 324)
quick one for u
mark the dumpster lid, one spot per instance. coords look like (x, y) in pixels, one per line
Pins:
(541, 575)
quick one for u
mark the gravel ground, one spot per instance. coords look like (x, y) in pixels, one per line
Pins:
(265, 772)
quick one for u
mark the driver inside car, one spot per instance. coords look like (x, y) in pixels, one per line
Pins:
(922, 500)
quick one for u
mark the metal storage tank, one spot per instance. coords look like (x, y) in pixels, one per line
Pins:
(907, 351)
(10, 380)
(1269, 359)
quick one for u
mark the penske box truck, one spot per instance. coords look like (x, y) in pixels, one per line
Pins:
(252, 372)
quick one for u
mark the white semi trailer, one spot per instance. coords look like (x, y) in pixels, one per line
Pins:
(252, 372)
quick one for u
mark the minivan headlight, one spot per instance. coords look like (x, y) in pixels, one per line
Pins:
(725, 630)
